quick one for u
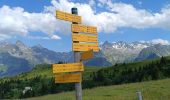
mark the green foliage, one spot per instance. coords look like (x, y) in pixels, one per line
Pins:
(134, 72)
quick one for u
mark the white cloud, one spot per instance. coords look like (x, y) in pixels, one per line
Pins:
(55, 37)
(157, 41)
(38, 37)
(17, 21)
(160, 41)
(119, 15)
(3, 37)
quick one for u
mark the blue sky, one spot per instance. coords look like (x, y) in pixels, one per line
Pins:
(118, 27)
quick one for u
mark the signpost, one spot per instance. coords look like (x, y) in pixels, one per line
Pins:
(73, 67)
(84, 38)
(68, 17)
(83, 46)
(78, 86)
(84, 29)
(68, 78)
(87, 55)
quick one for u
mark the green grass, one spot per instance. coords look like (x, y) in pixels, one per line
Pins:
(153, 90)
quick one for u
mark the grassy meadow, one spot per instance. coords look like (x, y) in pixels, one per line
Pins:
(152, 90)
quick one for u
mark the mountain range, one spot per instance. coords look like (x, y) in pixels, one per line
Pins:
(17, 58)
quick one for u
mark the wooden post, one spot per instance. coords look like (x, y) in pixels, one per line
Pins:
(78, 87)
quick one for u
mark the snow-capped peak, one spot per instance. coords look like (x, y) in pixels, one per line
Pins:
(121, 45)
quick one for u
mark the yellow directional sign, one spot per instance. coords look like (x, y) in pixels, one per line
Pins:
(85, 47)
(68, 78)
(87, 55)
(71, 67)
(83, 38)
(68, 17)
(84, 29)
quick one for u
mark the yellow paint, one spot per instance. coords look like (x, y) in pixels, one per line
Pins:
(68, 78)
(87, 55)
(83, 28)
(85, 47)
(70, 67)
(84, 38)
(68, 17)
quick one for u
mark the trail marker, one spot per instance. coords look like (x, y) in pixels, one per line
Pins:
(83, 28)
(84, 38)
(87, 55)
(68, 78)
(85, 47)
(90, 44)
(68, 17)
(71, 67)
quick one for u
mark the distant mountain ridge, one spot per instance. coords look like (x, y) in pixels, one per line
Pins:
(22, 58)
(17, 58)
(154, 51)
(120, 51)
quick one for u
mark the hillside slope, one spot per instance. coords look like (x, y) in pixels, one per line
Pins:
(42, 81)
(153, 90)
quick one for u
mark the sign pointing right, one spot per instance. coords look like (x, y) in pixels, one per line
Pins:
(85, 47)
(84, 29)
(87, 55)
(84, 38)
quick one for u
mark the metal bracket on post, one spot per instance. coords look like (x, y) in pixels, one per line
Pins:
(78, 86)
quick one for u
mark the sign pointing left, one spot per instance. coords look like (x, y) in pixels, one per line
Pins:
(68, 78)
(68, 17)
(70, 67)
(87, 55)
